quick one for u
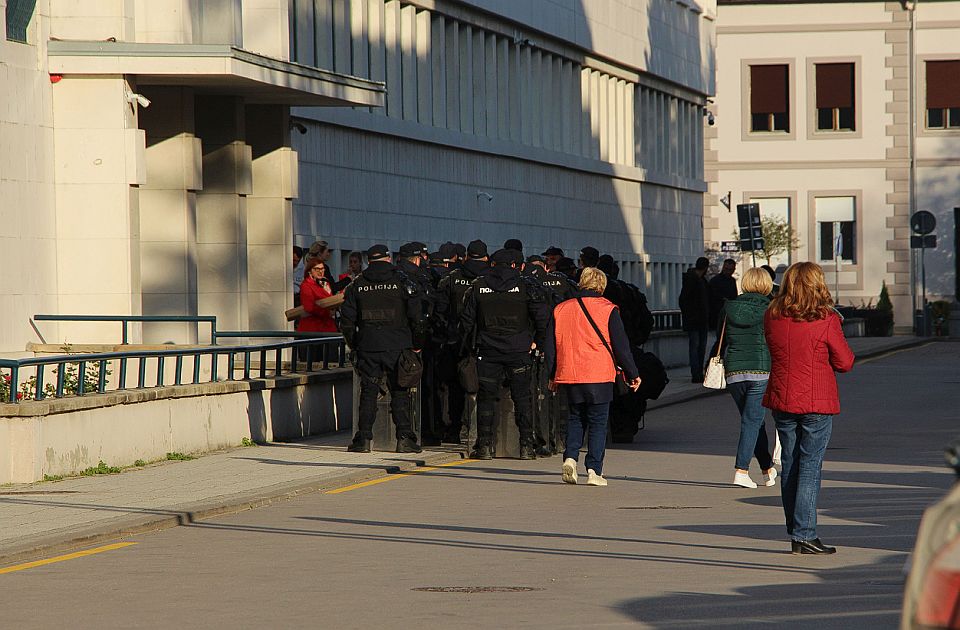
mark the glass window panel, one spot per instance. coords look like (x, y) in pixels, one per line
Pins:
(760, 122)
(781, 122)
(826, 241)
(935, 118)
(953, 117)
(847, 122)
(824, 118)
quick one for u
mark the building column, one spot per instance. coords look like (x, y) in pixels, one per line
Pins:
(270, 216)
(222, 211)
(168, 214)
(99, 164)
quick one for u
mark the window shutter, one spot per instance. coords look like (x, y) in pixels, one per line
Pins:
(943, 84)
(834, 85)
(768, 89)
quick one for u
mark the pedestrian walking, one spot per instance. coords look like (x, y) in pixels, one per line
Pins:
(586, 345)
(694, 311)
(807, 347)
(747, 366)
(382, 320)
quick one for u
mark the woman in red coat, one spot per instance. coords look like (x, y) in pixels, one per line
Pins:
(316, 287)
(807, 347)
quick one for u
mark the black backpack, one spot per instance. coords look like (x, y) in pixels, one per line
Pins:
(653, 375)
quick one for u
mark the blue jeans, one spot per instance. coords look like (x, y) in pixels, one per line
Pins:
(589, 419)
(753, 435)
(804, 439)
(697, 340)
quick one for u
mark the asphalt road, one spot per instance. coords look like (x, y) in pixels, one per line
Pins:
(669, 543)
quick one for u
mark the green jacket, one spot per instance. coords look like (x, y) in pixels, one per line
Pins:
(746, 347)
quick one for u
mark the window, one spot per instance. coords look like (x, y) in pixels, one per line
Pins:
(943, 94)
(835, 97)
(18, 16)
(776, 208)
(836, 217)
(769, 98)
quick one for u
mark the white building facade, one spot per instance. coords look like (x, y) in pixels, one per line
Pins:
(836, 116)
(147, 164)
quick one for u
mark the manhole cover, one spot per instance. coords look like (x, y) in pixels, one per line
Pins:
(476, 589)
(665, 507)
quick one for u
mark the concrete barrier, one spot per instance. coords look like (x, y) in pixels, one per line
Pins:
(65, 436)
(671, 347)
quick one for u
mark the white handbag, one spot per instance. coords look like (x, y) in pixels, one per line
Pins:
(716, 377)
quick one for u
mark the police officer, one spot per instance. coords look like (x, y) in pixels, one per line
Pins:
(453, 287)
(551, 256)
(558, 286)
(381, 317)
(509, 314)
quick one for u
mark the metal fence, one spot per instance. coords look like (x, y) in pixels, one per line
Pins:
(124, 320)
(667, 320)
(87, 373)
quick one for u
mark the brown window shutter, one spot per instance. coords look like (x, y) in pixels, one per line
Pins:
(943, 84)
(834, 85)
(769, 89)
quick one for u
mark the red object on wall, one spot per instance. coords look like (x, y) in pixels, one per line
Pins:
(55, 78)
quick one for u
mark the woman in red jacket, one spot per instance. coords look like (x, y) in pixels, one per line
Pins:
(806, 347)
(316, 287)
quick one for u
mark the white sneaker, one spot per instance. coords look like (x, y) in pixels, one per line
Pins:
(770, 477)
(743, 479)
(570, 470)
(593, 479)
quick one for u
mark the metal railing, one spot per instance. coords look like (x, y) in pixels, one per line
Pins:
(126, 319)
(329, 347)
(667, 320)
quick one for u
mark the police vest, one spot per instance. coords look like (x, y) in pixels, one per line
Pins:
(456, 284)
(502, 313)
(383, 304)
(558, 285)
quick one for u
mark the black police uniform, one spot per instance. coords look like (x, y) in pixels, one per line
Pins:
(453, 287)
(508, 313)
(382, 316)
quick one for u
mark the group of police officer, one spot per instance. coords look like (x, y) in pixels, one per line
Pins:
(461, 310)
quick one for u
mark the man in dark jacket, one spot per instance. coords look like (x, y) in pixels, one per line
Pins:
(382, 317)
(507, 315)
(453, 287)
(695, 311)
(723, 287)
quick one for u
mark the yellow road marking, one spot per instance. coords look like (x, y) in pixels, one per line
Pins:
(69, 556)
(373, 482)
(893, 352)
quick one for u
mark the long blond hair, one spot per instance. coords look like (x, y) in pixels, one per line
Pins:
(804, 296)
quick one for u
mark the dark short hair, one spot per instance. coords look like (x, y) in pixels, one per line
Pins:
(355, 254)
(702, 263)
(298, 251)
(730, 260)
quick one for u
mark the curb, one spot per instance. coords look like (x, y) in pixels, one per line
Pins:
(158, 519)
(703, 392)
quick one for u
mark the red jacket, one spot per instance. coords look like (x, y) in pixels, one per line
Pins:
(318, 319)
(581, 356)
(804, 357)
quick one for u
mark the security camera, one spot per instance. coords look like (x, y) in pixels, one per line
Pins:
(139, 99)
(299, 127)
(711, 119)
(484, 195)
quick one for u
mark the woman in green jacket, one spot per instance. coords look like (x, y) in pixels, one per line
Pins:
(747, 365)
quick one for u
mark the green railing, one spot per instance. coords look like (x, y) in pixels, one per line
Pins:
(126, 319)
(324, 348)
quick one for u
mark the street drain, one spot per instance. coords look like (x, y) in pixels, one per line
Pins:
(476, 589)
(665, 507)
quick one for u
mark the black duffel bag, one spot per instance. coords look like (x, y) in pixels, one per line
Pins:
(653, 375)
(409, 368)
(467, 374)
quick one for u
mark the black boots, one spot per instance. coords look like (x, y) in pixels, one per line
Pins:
(360, 444)
(408, 444)
(527, 451)
(814, 546)
(482, 451)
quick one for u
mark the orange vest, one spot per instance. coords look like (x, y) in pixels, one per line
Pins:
(581, 356)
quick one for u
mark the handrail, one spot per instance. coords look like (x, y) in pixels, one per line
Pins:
(667, 320)
(142, 356)
(126, 319)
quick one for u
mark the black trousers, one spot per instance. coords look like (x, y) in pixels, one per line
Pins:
(546, 420)
(375, 368)
(517, 371)
(456, 396)
(431, 397)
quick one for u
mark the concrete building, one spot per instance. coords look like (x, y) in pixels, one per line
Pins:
(147, 164)
(842, 115)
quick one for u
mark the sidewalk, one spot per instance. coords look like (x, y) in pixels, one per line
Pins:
(50, 517)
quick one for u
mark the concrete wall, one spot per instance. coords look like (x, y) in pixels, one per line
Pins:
(63, 437)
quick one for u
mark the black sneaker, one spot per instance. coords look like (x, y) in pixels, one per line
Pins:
(408, 445)
(360, 444)
(544, 451)
(482, 451)
(527, 451)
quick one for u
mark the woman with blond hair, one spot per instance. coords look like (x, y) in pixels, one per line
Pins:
(807, 347)
(586, 347)
(747, 365)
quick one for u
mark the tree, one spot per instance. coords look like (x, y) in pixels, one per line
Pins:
(778, 238)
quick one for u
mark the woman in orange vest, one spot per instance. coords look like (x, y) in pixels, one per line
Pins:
(586, 347)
